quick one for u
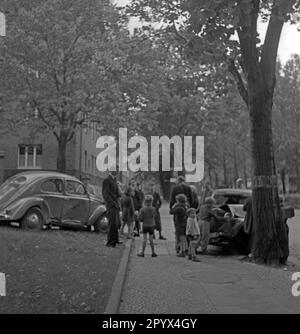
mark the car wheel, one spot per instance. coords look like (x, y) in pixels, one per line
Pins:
(101, 224)
(33, 220)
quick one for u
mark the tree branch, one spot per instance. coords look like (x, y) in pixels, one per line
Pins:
(239, 81)
(272, 39)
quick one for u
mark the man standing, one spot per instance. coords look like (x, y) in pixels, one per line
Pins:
(181, 188)
(111, 194)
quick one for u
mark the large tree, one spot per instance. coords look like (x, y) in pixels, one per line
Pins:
(66, 56)
(226, 31)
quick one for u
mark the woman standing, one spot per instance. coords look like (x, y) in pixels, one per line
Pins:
(157, 204)
(127, 208)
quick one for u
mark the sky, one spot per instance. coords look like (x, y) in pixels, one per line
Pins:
(289, 42)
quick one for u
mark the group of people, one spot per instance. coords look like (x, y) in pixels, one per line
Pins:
(192, 216)
(130, 208)
(193, 220)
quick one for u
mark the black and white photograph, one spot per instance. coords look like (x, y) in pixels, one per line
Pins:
(149, 160)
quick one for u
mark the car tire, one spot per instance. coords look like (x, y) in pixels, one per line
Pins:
(33, 220)
(101, 224)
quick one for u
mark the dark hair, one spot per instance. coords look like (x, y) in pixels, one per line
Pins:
(181, 198)
(180, 178)
(148, 199)
(191, 210)
(127, 191)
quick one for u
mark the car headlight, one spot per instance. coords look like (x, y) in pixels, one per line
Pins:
(5, 214)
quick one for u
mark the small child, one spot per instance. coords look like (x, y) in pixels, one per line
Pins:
(227, 228)
(192, 234)
(179, 212)
(206, 216)
(147, 217)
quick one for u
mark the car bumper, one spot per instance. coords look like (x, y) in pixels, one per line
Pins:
(4, 216)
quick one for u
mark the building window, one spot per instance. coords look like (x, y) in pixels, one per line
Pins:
(30, 156)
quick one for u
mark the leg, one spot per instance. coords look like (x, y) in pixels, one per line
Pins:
(194, 245)
(122, 227)
(182, 245)
(152, 243)
(137, 225)
(204, 229)
(142, 253)
(112, 235)
(130, 229)
(176, 240)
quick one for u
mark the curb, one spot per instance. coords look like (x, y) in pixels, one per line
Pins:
(113, 304)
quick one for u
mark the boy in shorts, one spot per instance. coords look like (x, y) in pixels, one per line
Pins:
(147, 217)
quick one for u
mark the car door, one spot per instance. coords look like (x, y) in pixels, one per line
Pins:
(76, 206)
(52, 193)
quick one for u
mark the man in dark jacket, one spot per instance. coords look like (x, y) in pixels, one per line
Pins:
(111, 194)
(181, 188)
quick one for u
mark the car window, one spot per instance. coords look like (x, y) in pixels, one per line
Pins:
(52, 186)
(220, 199)
(75, 188)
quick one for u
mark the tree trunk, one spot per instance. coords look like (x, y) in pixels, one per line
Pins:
(217, 179)
(245, 174)
(61, 153)
(225, 171)
(270, 243)
(236, 169)
(282, 174)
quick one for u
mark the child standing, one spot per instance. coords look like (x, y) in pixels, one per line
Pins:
(147, 217)
(206, 217)
(192, 234)
(179, 212)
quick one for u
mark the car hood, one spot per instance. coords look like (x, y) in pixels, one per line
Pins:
(10, 192)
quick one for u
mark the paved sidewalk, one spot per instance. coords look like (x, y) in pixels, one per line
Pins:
(218, 284)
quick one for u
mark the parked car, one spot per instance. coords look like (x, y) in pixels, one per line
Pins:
(233, 200)
(35, 199)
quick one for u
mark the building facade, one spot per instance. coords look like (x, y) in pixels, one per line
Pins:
(28, 149)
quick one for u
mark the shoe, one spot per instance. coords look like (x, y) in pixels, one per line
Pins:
(180, 255)
(110, 246)
(154, 255)
(119, 242)
(141, 255)
(195, 259)
(189, 257)
(162, 238)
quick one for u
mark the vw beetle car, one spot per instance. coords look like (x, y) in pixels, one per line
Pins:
(233, 200)
(41, 198)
